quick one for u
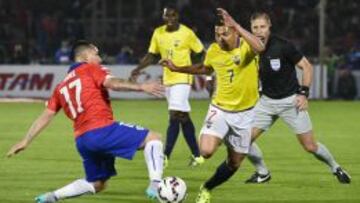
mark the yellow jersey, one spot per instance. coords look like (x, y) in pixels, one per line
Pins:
(236, 76)
(177, 47)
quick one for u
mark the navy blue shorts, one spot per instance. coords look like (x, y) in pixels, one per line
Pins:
(99, 147)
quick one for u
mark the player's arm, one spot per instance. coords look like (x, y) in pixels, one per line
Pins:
(148, 59)
(39, 124)
(303, 92)
(253, 41)
(307, 69)
(195, 69)
(117, 84)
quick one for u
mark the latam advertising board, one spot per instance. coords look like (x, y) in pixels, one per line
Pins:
(38, 81)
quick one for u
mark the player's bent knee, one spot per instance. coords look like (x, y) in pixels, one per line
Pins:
(206, 153)
(152, 136)
(308, 142)
(255, 133)
(311, 148)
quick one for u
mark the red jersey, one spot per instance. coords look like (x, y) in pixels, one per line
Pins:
(83, 97)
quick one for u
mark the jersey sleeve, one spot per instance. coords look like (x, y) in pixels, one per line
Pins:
(99, 74)
(293, 54)
(195, 43)
(249, 52)
(54, 103)
(154, 48)
(207, 59)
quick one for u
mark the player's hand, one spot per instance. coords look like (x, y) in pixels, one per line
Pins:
(301, 102)
(134, 75)
(228, 20)
(168, 63)
(17, 148)
(154, 87)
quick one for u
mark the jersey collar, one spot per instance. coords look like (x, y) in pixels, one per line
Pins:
(75, 65)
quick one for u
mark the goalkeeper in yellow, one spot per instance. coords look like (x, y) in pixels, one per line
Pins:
(229, 119)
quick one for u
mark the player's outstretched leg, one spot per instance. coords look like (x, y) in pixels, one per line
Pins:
(46, 198)
(171, 136)
(262, 174)
(190, 138)
(74, 189)
(324, 155)
(204, 195)
(320, 151)
(154, 158)
(223, 173)
(196, 161)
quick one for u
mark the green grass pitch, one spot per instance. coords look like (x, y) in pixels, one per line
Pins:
(52, 161)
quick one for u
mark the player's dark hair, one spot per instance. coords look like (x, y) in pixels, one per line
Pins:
(261, 14)
(78, 47)
(219, 20)
(171, 6)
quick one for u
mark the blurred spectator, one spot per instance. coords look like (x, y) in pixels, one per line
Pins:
(354, 57)
(47, 23)
(3, 54)
(346, 84)
(19, 56)
(332, 61)
(63, 54)
(125, 56)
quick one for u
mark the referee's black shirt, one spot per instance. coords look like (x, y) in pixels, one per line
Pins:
(277, 68)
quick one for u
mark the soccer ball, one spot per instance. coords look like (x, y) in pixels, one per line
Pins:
(171, 190)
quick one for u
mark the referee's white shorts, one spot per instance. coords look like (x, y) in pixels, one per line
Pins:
(178, 97)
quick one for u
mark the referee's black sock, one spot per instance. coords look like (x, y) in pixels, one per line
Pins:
(222, 174)
(189, 134)
(171, 137)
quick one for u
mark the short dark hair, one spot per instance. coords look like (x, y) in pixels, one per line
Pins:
(219, 21)
(171, 6)
(79, 46)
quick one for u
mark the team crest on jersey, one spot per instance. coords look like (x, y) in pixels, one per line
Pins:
(275, 64)
(176, 43)
(236, 59)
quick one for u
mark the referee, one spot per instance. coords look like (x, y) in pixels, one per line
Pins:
(283, 96)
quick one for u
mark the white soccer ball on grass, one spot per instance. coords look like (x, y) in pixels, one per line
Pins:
(172, 190)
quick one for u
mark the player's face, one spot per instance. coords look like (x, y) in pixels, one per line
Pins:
(260, 27)
(171, 17)
(226, 37)
(92, 55)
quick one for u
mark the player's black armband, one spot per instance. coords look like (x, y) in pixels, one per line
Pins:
(303, 90)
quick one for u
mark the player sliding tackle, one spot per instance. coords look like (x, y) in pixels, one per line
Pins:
(83, 95)
(230, 114)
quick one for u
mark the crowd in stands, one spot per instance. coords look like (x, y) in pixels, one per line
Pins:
(39, 31)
